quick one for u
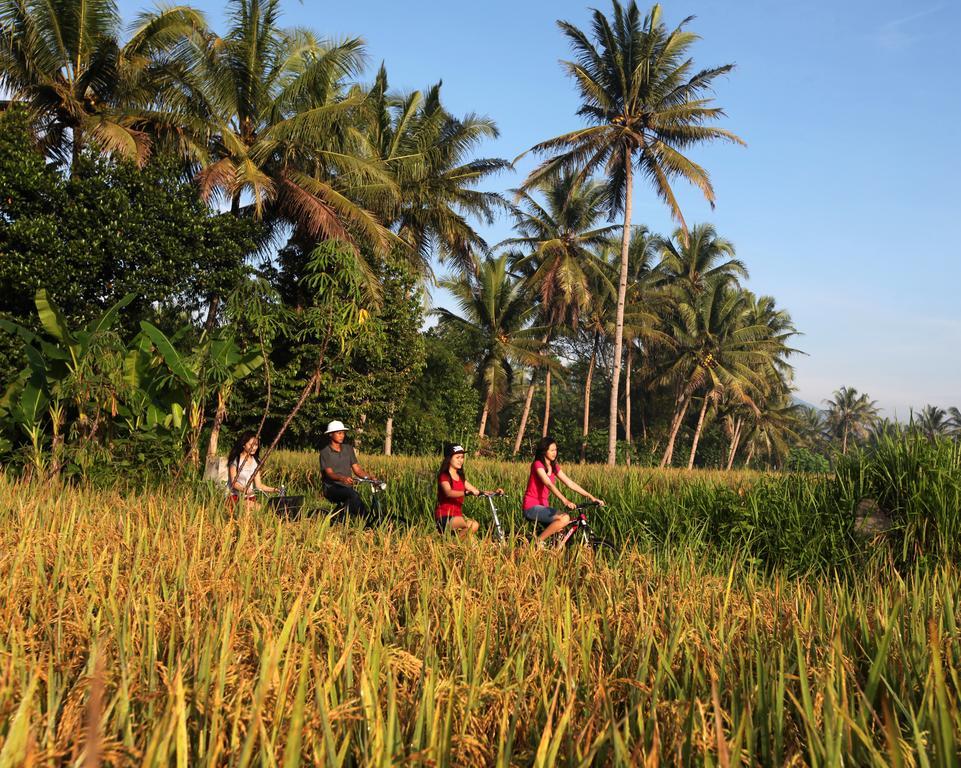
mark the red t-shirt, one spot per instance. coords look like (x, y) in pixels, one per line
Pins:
(447, 507)
(538, 494)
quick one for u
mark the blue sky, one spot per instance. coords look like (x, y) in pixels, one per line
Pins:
(841, 204)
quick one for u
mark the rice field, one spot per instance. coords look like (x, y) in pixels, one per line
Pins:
(159, 628)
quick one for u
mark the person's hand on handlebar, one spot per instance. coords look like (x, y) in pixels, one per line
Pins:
(570, 504)
(599, 502)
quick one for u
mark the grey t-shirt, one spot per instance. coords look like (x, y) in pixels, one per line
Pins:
(340, 461)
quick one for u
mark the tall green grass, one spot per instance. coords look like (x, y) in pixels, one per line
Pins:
(797, 523)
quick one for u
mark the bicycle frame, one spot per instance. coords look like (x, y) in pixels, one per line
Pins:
(376, 488)
(497, 520)
(579, 523)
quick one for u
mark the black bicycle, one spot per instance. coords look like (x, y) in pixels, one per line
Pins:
(579, 532)
(379, 512)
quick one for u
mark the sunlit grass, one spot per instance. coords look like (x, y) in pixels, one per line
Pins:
(246, 640)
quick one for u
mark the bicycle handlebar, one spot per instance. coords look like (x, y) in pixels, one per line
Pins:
(587, 505)
(490, 494)
(379, 485)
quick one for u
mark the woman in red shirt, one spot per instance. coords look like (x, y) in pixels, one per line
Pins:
(452, 487)
(545, 471)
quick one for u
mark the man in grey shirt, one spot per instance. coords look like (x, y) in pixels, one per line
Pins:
(338, 466)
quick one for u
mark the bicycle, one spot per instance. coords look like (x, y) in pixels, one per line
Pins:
(579, 531)
(497, 520)
(377, 507)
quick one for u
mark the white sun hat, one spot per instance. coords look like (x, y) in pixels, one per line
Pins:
(335, 426)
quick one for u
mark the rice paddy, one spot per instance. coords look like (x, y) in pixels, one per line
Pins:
(158, 628)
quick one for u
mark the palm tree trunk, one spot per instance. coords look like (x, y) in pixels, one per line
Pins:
(483, 422)
(587, 398)
(619, 316)
(679, 412)
(547, 403)
(627, 401)
(389, 436)
(735, 439)
(750, 455)
(844, 440)
(697, 432)
(526, 413)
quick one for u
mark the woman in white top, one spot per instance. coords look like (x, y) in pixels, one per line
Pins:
(242, 464)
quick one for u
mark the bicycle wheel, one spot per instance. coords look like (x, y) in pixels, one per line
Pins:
(603, 549)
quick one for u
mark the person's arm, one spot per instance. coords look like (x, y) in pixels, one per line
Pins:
(232, 477)
(470, 490)
(259, 485)
(562, 476)
(360, 472)
(542, 474)
(335, 478)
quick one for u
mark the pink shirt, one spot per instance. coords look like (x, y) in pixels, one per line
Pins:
(538, 494)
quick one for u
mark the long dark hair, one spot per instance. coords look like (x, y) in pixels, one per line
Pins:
(540, 453)
(234, 455)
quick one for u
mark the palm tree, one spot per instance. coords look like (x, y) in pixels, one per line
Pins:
(645, 105)
(717, 353)
(429, 153)
(281, 138)
(850, 414)
(812, 428)
(645, 309)
(692, 259)
(81, 84)
(558, 241)
(932, 422)
(955, 421)
(496, 315)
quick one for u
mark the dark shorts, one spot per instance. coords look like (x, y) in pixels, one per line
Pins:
(442, 523)
(542, 515)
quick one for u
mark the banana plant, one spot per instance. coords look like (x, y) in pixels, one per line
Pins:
(174, 386)
(65, 367)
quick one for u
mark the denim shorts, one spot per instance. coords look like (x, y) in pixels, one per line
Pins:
(539, 514)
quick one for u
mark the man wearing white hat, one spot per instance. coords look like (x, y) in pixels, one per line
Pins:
(338, 466)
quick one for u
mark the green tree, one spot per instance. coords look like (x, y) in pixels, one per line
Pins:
(84, 87)
(932, 422)
(275, 128)
(430, 155)
(645, 105)
(441, 404)
(495, 314)
(557, 257)
(850, 414)
(716, 353)
(109, 229)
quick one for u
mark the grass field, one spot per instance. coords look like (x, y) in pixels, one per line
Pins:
(159, 629)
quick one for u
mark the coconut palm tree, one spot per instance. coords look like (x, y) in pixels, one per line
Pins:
(556, 253)
(646, 306)
(955, 420)
(932, 422)
(692, 259)
(645, 105)
(496, 314)
(82, 85)
(717, 353)
(281, 140)
(430, 155)
(850, 414)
